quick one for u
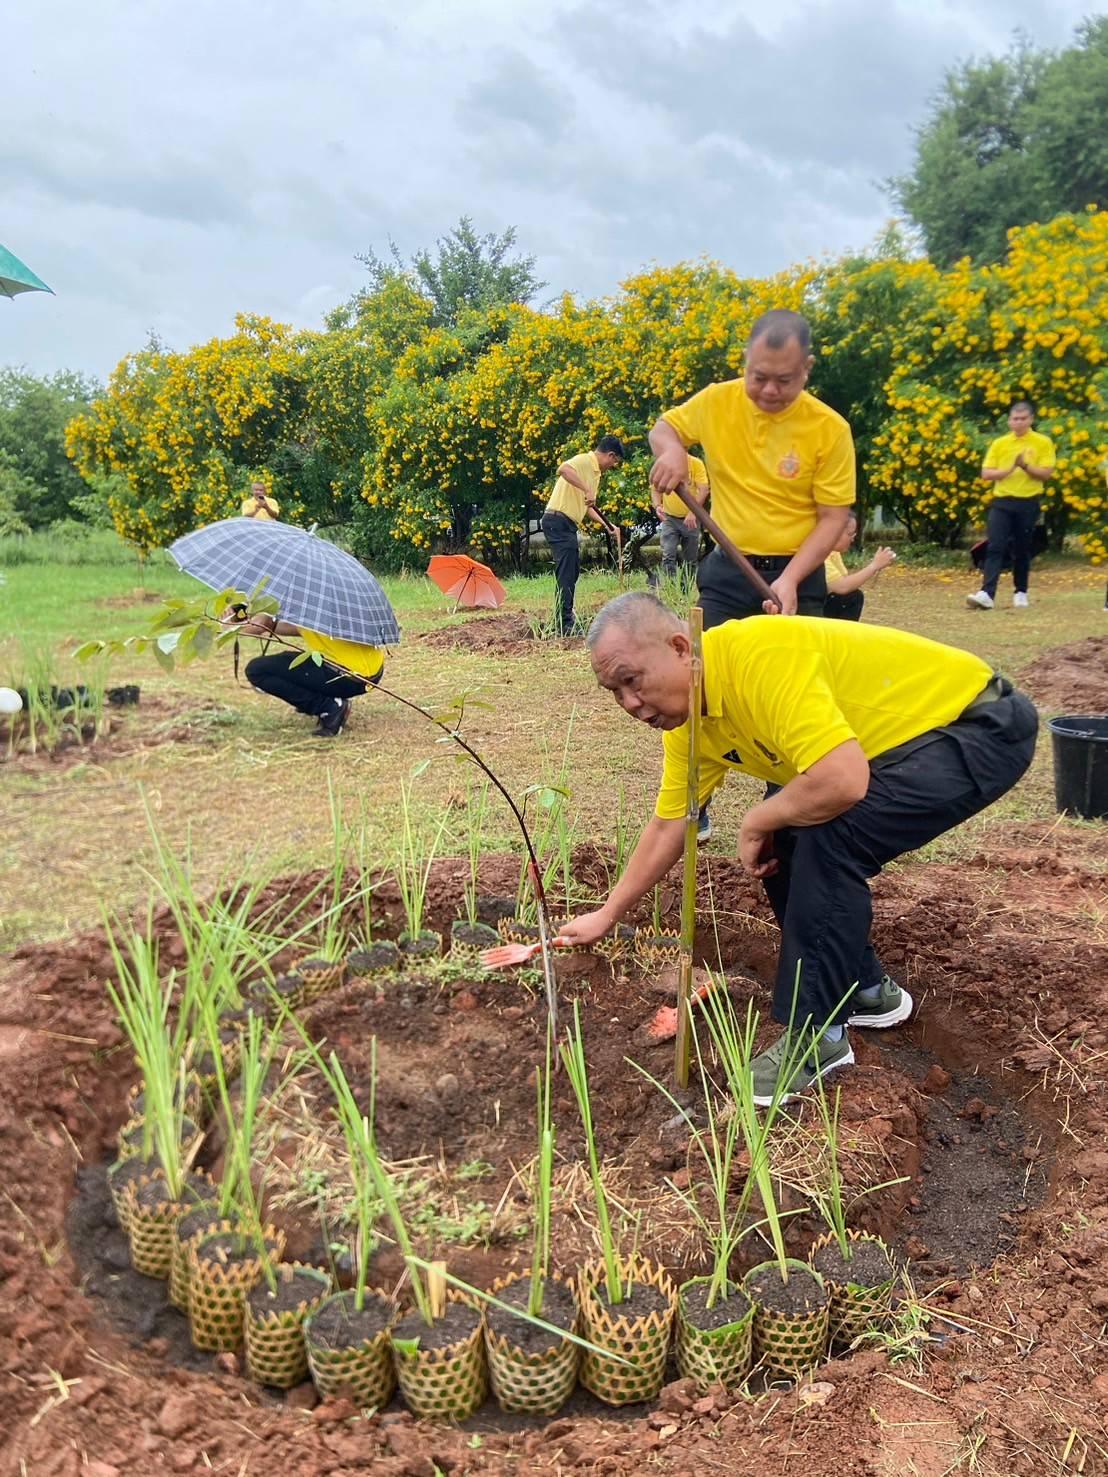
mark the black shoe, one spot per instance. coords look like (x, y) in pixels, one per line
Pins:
(332, 723)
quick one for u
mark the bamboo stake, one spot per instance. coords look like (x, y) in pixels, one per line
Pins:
(692, 823)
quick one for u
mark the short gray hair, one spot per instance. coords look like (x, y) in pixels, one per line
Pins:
(636, 612)
(779, 327)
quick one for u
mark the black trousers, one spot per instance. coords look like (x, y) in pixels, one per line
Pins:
(1011, 520)
(308, 688)
(845, 607)
(561, 536)
(820, 894)
(727, 595)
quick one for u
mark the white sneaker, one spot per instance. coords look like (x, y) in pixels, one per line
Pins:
(979, 601)
(1020, 600)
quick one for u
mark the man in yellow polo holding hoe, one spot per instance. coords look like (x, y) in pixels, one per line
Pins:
(873, 741)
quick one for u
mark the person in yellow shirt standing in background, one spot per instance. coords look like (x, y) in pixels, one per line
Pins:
(874, 742)
(678, 530)
(260, 504)
(1017, 465)
(572, 501)
(845, 600)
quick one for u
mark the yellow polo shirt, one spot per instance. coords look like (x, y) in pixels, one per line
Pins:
(250, 509)
(768, 472)
(834, 567)
(570, 500)
(364, 661)
(780, 694)
(1037, 449)
(698, 477)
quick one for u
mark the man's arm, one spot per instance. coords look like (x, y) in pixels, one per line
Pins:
(659, 848)
(830, 523)
(1039, 474)
(996, 474)
(828, 788)
(848, 583)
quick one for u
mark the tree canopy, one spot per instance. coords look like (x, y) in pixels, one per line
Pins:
(38, 482)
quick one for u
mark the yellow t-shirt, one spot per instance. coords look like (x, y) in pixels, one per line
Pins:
(250, 508)
(698, 477)
(1037, 449)
(571, 500)
(365, 661)
(780, 694)
(834, 567)
(768, 472)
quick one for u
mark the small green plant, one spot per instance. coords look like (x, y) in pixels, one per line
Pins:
(477, 809)
(829, 1201)
(905, 1333)
(544, 1181)
(572, 1052)
(358, 1131)
(414, 855)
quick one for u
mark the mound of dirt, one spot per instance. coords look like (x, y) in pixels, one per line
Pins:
(1070, 679)
(510, 634)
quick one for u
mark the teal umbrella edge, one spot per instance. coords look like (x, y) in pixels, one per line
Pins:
(17, 277)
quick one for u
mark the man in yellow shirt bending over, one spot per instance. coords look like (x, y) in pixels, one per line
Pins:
(572, 501)
(1017, 465)
(318, 689)
(874, 742)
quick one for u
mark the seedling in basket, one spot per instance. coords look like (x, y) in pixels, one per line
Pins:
(829, 1200)
(414, 855)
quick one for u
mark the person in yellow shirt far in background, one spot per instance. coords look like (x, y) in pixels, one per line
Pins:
(260, 503)
(845, 600)
(572, 501)
(1017, 465)
(678, 530)
(873, 741)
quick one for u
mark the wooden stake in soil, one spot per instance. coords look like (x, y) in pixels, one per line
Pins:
(692, 825)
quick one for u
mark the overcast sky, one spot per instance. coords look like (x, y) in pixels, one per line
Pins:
(164, 165)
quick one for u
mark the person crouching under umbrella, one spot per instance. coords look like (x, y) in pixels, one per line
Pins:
(318, 688)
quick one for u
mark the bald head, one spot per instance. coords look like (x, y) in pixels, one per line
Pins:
(640, 653)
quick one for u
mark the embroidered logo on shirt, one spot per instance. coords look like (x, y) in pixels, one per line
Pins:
(770, 755)
(789, 465)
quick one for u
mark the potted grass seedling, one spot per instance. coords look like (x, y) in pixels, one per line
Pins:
(413, 858)
(468, 935)
(715, 1317)
(372, 957)
(347, 1336)
(227, 1263)
(791, 1301)
(655, 948)
(856, 1266)
(154, 1187)
(627, 1303)
(533, 1366)
(326, 969)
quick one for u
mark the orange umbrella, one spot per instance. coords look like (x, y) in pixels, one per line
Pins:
(470, 583)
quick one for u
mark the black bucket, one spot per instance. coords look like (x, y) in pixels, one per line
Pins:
(1081, 766)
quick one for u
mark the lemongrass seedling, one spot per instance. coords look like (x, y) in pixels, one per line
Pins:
(830, 1201)
(477, 807)
(544, 1179)
(414, 855)
(572, 1052)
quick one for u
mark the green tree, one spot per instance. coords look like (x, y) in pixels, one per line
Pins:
(40, 482)
(1009, 141)
(465, 272)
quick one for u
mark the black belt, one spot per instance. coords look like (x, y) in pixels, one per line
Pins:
(998, 686)
(768, 561)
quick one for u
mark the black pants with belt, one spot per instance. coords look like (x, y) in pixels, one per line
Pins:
(820, 893)
(561, 537)
(308, 688)
(1011, 520)
(727, 595)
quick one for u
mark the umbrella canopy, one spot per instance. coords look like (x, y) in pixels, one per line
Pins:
(470, 583)
(16, 278)
(316, 585)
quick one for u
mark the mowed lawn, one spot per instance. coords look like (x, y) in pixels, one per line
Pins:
(237, 780)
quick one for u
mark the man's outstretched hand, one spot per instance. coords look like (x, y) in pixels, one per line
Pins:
(586, 929)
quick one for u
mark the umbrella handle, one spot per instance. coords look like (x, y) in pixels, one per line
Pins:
(457, 603)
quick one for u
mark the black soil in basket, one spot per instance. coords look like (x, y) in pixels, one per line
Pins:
(423, 946)
(623, 933)
(230, 1248)
(526, 933)
(378, 956)
(293, 1292)
(156, 1192)
(474, 935)
(457, 1323)
(869, 1264)
(203, 1218)
(339, 1325)
(491, 909)
(666, 942)
(730, 1309)
(558, 1307)
(801, 1295)
(318, 965)
(645, 1299)
(127, 1171)
(288, 984)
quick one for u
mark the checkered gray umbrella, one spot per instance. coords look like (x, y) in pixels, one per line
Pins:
(315, 584)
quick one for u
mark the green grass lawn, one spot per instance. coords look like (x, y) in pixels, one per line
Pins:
(237, 777)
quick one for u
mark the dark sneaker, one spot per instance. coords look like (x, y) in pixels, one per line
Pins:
(892, 1006)
(704, 826)
(332, 723)
(767, 1068)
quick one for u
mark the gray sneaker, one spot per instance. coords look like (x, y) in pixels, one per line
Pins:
(892, 1006)
(767, 1068)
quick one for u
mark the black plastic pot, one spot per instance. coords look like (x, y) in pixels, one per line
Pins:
(1081, 765)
